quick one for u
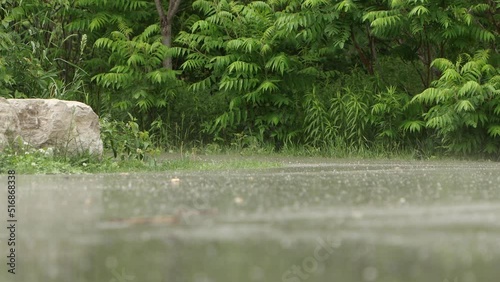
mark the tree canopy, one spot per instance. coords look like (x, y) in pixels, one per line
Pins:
(393, 73)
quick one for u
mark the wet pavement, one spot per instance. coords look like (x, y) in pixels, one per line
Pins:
(310, 220)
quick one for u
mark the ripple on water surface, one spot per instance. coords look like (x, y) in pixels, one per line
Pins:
(367, 221)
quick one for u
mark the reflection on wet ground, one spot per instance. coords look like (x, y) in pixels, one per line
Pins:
(310, 220)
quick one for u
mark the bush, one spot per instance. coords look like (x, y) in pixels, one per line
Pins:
(126, 140)
(465, 105)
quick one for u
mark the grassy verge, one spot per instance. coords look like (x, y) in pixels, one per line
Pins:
(39, 161)
(210, 157)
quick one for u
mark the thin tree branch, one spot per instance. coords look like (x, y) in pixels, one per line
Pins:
(173, 6)
(160, 10)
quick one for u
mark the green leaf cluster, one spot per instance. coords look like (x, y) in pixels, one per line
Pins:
(465, 104)
(366, 74)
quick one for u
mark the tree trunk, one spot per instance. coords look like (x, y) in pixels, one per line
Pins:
(373, 49)
(166, 20)
(366, 61)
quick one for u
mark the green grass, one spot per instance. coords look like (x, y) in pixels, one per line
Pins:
(110, 165)
(209, 157)
(38, 161)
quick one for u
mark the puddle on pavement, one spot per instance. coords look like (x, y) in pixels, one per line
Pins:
(307, 221)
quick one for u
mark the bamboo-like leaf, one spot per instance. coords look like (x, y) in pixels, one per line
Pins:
(314, 3)
(239, 84)
(245, 68)
(265, 49)
(200, 25)
(451, 75)
(135, 60)
(192, 64)
(494, 130)
(280, 100)
(148, 32)
(118, 35)
(470, 87)
(413, 126)
(441, 121)
(385, 22)
(176, 51)
(268, 86)
(98, 21)
(428, 96)
(235, 103)
(482, 35)
(113, 80)
(279, 63)
(255, 97)
(275, 119)
(388, 133)
(345, 5)
(103, 42)
(234, 44)
(397, 3)
(491, 148)
(418, 11)
(160, 76)
(464, 106)
(205, 6)
(222, 62)
(269, 33)
(442, 64)
(379, 108)
(202, 85)
(471, 66)
(261, 5)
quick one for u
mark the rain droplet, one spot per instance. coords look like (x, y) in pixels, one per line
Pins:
(370, 273)
(175, 181)
(111, 262)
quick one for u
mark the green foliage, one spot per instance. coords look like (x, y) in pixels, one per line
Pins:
(28, 160)
(465, 104)
(262, 61)
(424, 30)
(6, 78)
(109, 16)
(387, 113)
(354, 117)
(126, 140)
(136, 81)
(318, 129)
(350, 110)
(39, 55)
(259, 74)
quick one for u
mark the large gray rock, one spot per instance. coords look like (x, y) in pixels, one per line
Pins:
(9, 124)
(70, 126)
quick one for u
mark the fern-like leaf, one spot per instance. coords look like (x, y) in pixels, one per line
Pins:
(494, 130)
(464, 106)
(413, 126)
(279, 63)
